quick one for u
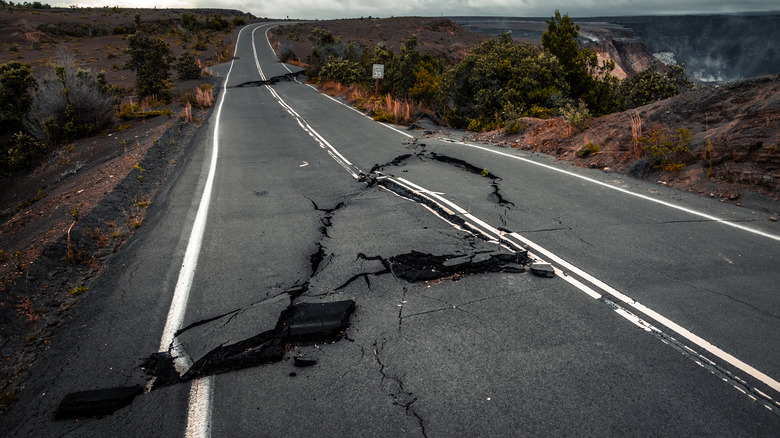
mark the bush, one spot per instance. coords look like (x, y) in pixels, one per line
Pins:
(576, 115)
(665, 148)
(652, 84)
(217, 24)
(68, 103)
(16, 82)
(504, 78)
(342, 70)
(22, 152)
(588, 150)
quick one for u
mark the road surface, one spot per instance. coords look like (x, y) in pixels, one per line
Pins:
(311, 272)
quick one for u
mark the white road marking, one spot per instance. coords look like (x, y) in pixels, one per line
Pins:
(489, 230)
(628, 192)
(199, 412)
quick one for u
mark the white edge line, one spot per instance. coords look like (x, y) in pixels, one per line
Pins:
(189, 264)
(628, 192)
(199, 405)
(199, 412)
(769, 381)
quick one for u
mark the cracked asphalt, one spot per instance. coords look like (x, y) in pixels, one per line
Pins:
(450, 333)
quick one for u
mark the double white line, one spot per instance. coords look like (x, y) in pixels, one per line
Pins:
(570, 273)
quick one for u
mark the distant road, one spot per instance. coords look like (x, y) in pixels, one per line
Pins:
(661, 319)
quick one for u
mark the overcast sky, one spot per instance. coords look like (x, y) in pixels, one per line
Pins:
(327, 9)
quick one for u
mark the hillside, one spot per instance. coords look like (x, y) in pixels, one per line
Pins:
(734, 148)
(61, 220)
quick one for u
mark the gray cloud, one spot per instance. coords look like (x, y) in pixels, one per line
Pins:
(328, 9)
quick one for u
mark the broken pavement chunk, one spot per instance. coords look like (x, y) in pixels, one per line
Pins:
(543, 269)
(301, 362)
(97, 402)
(317, 322)
(416, 266)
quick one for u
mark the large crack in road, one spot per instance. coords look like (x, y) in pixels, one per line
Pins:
(307, 323)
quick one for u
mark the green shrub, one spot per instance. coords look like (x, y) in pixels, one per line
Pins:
(588, 150)
(652, 84)
(500, 74)
(665, 148)
(16, 84)
(576, 115)
(482, 124)
(342, 70)
(187, 66)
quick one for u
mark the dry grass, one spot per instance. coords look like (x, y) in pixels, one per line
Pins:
(636, 133)
(204, 95)
(26, 308)
(187, 116)
(383, 109)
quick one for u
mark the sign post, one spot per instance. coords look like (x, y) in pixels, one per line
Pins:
(378, 73)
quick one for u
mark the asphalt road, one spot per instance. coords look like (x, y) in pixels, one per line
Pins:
(662, 319)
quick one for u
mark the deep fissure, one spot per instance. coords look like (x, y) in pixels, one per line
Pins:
(288, 77)
(311, 322)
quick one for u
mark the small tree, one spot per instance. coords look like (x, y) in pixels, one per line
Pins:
(400, 74)
(150, 58)
(16, 82)
(187, 66)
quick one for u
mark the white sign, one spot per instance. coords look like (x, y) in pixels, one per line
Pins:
(379, 71)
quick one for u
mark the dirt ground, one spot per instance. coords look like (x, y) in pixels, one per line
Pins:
(60, 220)
(436, 36)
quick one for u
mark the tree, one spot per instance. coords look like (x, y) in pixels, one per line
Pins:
(16, 82)
(150, 58)
(588, 80)
(400, 73)
(323, 46)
